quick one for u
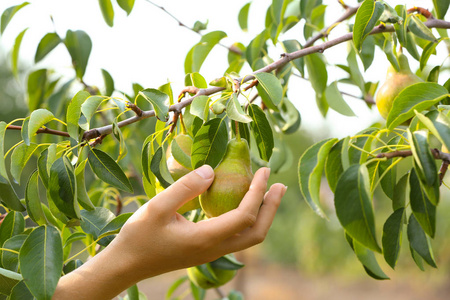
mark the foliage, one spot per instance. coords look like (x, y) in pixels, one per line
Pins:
(75, 191)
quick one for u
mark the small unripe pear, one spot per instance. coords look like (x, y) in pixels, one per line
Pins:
(177, 170)
(232, 180)
(395, 82)
(222, 276)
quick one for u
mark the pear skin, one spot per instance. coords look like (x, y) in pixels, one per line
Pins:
(177, 170)
(232, 180)
(395, 82)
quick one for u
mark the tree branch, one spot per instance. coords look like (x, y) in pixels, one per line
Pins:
(285, 58)
(349, 12)
(42, 130)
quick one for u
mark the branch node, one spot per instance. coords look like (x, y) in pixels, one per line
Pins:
(135, 108)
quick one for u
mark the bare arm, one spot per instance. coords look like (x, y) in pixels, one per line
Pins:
(156, 239)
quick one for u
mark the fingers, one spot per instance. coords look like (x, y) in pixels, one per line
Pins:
(257, 233)
(238, 219)
(184, 189)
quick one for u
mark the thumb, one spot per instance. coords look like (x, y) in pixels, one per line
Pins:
(186, 188)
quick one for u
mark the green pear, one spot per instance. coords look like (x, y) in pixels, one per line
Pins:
(395, 82)
(232, 180)
(177, 170)
(219, 278)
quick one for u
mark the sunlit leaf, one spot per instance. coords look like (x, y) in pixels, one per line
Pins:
(114, 225)
(158, 166)
(126, 5)
(10, 259)
(367, 258)
(366, 17)
(46, 45)
(210, 143)
(73, 113)
(269, 89)
(79, 45)
(8, 280)
(107, 11)
(93, 221)
(33, 201)
(15, 53)
(421, 30)
(36, 86)
(336, 101)
(8, 14)
(235, 111)
(19, 158)
(109, 82)
(243, 17)
(310, 169)
(197, 55)
(200, 107)
(38, 118)
(158, 100)
(422, 208)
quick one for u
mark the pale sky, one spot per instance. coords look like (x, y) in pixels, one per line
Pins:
(149, 47)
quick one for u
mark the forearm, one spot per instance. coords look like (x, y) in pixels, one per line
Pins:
(102, 277)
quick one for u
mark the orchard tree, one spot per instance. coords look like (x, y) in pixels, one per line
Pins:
(83, 141)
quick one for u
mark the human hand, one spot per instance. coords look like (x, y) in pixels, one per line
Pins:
(156, 239)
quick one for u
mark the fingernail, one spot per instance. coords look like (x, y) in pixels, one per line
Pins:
(205, 172)
(284, 190)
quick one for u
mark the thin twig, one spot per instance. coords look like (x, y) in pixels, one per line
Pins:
(232, 48)
(42, 130)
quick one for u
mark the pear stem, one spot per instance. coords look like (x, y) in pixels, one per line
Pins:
(238, 134)
(183, 127)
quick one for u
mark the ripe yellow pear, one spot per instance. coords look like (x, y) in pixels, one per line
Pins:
(222, 276)
(232, 180)
(395, 82)
(177, 170)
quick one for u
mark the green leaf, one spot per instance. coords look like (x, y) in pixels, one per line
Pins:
(441, 7)
(46, 45)
(3, 173)
(419, 96)
(429, 49)
(366, 17)
(73, 113)
(433, 76)
(174, 286)
(243, 17)
(367, 258)
(367, 52)
(421, 30)
(422, 156)
(19, 158)
(419, 241)
(439, 125)
(355, 73)
(200, 107)
(210, 143)
(38, 118)
(227, 262)
(79, 45)
(299, 63)
(269, 89)
(8, 14)
(317, 72)
(256, 47)
(109, 83)
(354, 208)
(88, 108)
(182, 157)
(310, 169)
(422, 208)
(195, 79)
(197, 55)
(15, 52)
(392, 236)
(8, 196)
(158, 100)
(82, 195)
(235, 111)
(158, 166)
(36, 87)
(93, 221)
(108, 170)
(336, 101)
(76, 236)
(12, 225)
(262, 131)
(167, 89)
(114, 226)
(126, 5)
(21, 292)
(333, 165)
(107, 11)
(41, 261)
(62, 187)
(10, 259)
(123, 150)
(8, 280)
(33, 201)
